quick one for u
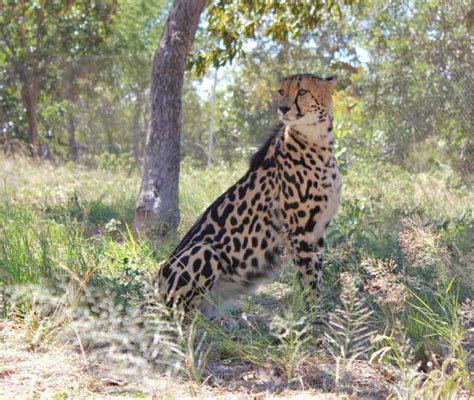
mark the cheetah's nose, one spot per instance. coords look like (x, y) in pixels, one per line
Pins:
(284, 109)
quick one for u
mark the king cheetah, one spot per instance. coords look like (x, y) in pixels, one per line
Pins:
(288, 196)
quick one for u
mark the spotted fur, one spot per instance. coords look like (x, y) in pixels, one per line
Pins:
(288, 196)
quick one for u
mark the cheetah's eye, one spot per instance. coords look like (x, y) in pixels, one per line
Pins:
(302, 92)
(280, 92)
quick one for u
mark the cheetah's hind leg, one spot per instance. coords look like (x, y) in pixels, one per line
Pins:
(188, 278)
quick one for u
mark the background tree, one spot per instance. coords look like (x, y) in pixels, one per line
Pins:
(34, 34)
(157, 204)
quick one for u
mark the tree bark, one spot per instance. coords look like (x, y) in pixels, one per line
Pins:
(73, 149)
(72, 88)
(210, 133)
(137, 130)
(30, 100)
(157, 204)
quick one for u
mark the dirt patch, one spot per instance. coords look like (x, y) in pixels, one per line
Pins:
(26, 374)
(62, 371)
(316, 376)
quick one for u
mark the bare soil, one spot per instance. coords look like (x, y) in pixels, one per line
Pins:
(64, 372)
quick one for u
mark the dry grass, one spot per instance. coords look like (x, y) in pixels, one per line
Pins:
(40, 374)
(385, 285)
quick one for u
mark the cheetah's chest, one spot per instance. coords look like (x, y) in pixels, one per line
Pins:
(310, 196)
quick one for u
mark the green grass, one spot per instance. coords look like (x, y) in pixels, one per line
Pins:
(404, 238)
(62, 219)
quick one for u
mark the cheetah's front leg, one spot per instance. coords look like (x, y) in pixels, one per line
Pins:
(308, 261)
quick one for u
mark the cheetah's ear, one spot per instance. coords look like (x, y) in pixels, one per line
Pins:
(330, 82)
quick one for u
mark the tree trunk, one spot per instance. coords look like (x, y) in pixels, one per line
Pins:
(30, 100)
(210, 134)
(73, 96)
(157, 203)
(137, 131)
(108, 127)
(73, 149)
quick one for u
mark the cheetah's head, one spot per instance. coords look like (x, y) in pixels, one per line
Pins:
(305, 99)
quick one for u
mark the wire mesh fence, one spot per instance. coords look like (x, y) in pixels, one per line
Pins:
(401, 99)
(439, 111)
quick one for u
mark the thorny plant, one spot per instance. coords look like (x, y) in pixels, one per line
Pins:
(146, 334)
(347, 330)
(42, 311)
(36, 311)
(194, 349)
(137, 337)
(293, 335)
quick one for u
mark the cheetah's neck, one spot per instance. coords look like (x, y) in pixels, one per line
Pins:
(320, 136)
